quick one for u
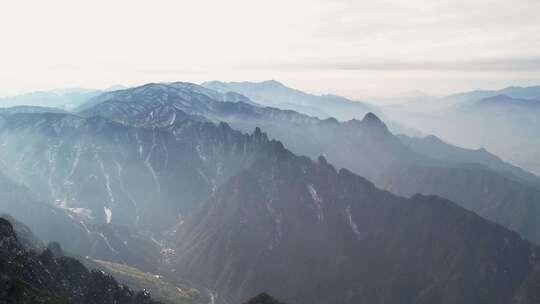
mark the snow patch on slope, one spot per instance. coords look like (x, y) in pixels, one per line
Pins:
(108, 214)
(317, 200)
(276, 216)
(352, 224)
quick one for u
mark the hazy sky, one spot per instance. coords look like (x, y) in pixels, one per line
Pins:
(361, 49)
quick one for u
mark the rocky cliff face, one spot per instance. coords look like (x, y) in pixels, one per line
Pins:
(46, 277)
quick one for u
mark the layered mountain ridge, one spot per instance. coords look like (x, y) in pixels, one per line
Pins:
(365, 146)
(503, 121)
(274, 94)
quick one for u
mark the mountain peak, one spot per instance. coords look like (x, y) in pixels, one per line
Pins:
(257, 133)
(273, 83)
(322, 160)
(372, 118)
(502, 99)
(372, 121)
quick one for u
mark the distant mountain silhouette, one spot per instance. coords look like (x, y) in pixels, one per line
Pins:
(505, 122)
(64, 99)
(275, 94)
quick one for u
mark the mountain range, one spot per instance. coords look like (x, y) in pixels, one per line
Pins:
(503, 121)
(274, 94)
(221, 191)
(62, 98)
(365, 146)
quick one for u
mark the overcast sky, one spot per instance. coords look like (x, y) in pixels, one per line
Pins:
(361, 49)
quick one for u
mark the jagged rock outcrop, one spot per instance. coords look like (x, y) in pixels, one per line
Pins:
(33, 277)
(308, 233)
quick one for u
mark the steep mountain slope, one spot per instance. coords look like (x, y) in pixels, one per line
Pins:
(77, 234)
(27, 239)
(310, 234)
(112, 173)
(115, 192)
(30, 277)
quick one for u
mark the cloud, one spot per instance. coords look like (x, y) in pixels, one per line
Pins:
(501, 65)
(443, 30)
(133, 41)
